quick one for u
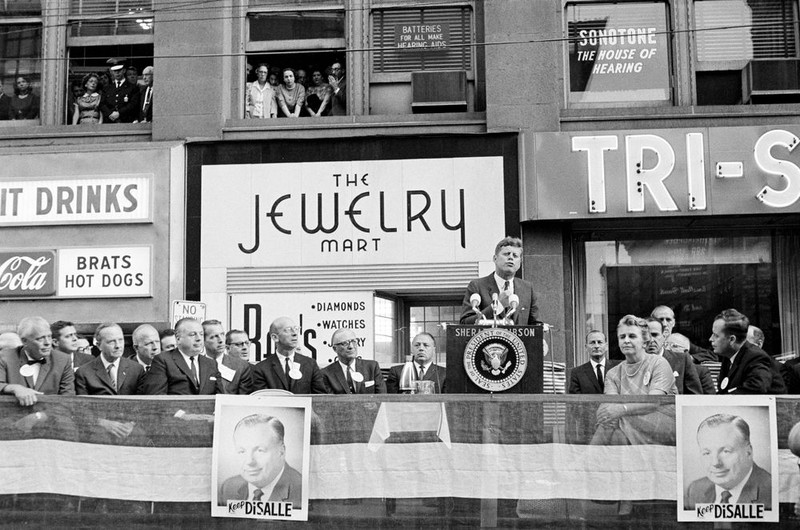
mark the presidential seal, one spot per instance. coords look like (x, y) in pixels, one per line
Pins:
(495, 359)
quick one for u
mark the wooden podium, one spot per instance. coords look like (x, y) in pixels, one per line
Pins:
(502, 359)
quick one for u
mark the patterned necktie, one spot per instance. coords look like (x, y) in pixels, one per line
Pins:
(600, 375)
(725, 497)
(194, 371)
(112, 373)
(421, 371)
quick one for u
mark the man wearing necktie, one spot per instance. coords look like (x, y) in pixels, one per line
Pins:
(587, 378)
(146, 95)
(731, 475)
(120, 99)
(265, 475)
(65, 339)
(35, 367)
(287, 369)
(350, 374)
(109, 374)
(237, 376)
(146, 345)
(184, 371)
(423, 350)
(746, 368)
(503, 283)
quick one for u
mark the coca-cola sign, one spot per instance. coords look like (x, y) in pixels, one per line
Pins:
(27, 274)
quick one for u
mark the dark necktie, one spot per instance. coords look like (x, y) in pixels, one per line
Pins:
(147, 368)
(287, 367)
(506, 285)
(725, 497)
(43, 360)
(350, 381)
(257, 494)
(193, 369)
(600, 375)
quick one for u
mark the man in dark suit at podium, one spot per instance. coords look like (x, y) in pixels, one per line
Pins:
(502, 283)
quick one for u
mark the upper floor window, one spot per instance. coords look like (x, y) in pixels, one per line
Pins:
(20, 60)
(746, 51)
(618, 54)
(295, 62)
(103, 35)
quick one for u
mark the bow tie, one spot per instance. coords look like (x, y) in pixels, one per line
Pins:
(37, 361)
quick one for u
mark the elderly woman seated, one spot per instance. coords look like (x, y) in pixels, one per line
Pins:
(640, 375)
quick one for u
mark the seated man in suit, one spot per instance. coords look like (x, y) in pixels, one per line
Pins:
(237, 377)
(35, 367)
(683, 368)
(756, 336)
(184, 371)
(287, 369)
(746, 368)
(146, 345)
(507, 261)
(666, 316)
(679, 343)
(65, 339)
(238, 344)
(265, 475)
(109, 374)
(731, 475)
(350, 374)
(423, 349)
(588, 378)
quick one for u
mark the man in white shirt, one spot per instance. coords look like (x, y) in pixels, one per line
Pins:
(65, 339)
(423, 350)
(265, 475)
(237, 377)
(731, 475)
(589, 378)
(146, 344)
(287, 369)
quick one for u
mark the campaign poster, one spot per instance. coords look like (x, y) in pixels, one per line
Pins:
(727, 449)
(260, 462)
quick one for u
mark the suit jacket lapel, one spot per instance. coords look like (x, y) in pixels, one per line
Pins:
(358, 366)
(102, 374)
(183, 367)
(281, 490)
(44, 369)
(121, 373)
(337, 373)
(279, 370)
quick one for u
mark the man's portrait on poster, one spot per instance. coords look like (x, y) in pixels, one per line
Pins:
(727, 462)
(260, 454)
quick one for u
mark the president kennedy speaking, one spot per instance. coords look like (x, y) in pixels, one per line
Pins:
(511, 297)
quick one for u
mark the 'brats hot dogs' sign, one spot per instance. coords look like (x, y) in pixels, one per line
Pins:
(358, 212)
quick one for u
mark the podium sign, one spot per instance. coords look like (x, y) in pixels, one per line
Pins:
(504, 359)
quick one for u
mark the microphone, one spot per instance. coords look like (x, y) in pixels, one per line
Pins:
(513, 303)
(497, 307)
(475, 300)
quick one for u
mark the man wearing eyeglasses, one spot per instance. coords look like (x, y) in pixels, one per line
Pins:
(237, 377)
(184, 370)
(350, 374)
(35, 367)
(238, 344)
(287, 369)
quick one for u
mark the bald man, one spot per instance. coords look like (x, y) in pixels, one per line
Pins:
(287, 369)
(350, 374)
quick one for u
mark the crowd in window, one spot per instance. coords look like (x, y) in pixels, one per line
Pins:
(114, 96)
(290, 92)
